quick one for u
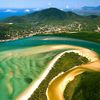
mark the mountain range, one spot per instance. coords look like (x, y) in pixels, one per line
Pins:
(48, 15)
(91, 8)
(55, 16)
(51, 20)
(9, 12)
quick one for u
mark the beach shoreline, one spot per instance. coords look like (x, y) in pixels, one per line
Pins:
(33, 86)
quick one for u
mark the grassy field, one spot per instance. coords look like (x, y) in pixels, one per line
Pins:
(66, 62)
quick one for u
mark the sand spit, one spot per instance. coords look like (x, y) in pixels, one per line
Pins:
(58, 84)
(41, 49)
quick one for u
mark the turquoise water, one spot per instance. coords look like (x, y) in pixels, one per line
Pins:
(37, 41)
(18, 70)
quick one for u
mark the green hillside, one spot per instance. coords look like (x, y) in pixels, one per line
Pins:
(48, 21)
(51, 14)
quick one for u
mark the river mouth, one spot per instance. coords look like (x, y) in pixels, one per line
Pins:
(23, 60)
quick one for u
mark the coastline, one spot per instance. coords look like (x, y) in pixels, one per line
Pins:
(33, 86)
(17, 38)
(59, 82)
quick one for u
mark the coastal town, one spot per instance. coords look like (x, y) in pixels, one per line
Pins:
(12, 31)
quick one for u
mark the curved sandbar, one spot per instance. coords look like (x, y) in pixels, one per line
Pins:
(33, 86)
(58, 84)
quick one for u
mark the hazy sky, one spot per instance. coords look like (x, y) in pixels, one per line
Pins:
(47, 3)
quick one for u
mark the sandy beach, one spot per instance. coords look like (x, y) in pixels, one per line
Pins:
(34, 85)
(58, 84)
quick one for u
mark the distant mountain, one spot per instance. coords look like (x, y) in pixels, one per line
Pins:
(9, 12)
(86, 10)
(50, 15)
(91, 8)
(4, 15)
(46, 21)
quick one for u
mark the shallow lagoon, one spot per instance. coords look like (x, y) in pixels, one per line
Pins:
(20, 65)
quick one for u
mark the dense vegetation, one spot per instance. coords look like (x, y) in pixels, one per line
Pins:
(11, 31)
(84, 87)
(19, 31)
(89, 36)
(66, 62)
